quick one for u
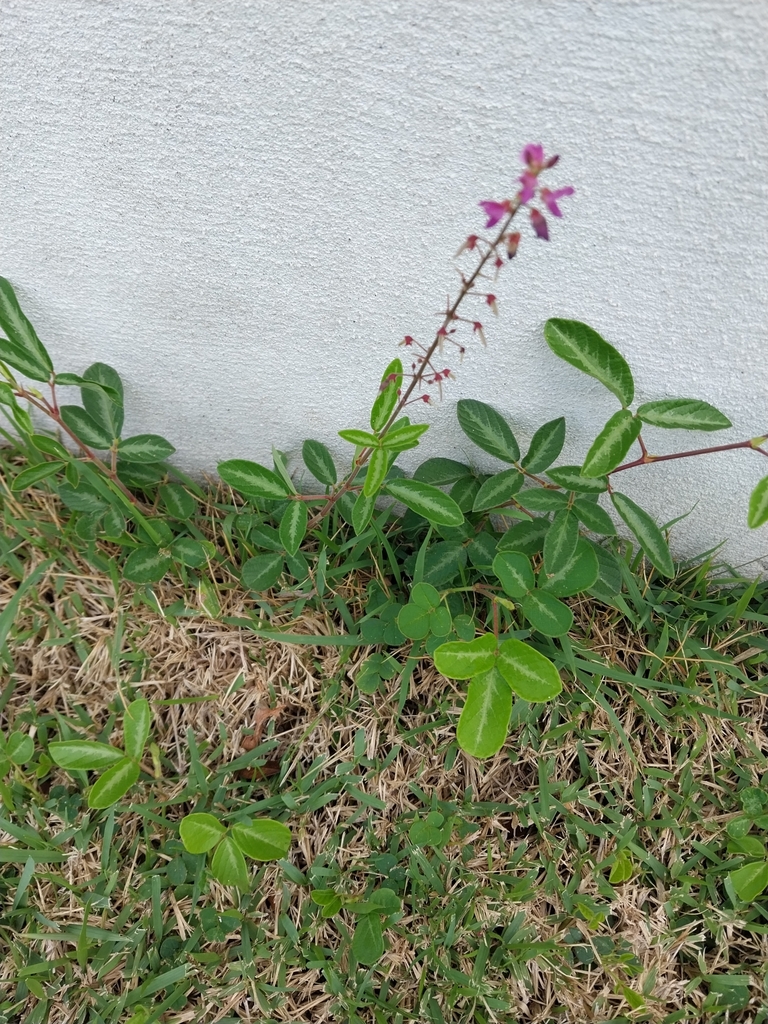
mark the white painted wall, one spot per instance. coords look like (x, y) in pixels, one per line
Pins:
(245, 205)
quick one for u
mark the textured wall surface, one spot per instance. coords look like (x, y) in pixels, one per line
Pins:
(244, 206)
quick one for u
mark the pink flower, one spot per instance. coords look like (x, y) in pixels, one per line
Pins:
(539, 225)
(533, 155)
(470, 244)
(550, 198)
(495, 211)
(513, 241)
(528, 180)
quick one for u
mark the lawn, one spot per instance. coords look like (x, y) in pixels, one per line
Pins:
(580, 875)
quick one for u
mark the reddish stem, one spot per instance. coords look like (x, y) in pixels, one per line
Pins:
(646, 458)
(450, 313)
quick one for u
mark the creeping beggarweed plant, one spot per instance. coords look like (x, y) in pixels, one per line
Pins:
(475, 573)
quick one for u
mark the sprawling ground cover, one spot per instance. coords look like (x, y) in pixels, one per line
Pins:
(580, 875)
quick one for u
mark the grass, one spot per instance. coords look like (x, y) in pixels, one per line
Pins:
(578, 876)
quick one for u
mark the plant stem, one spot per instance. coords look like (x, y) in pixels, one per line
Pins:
(53, 413)
(645, 458)
(466, 287)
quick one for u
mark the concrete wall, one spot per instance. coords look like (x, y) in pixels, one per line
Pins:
(243, 206)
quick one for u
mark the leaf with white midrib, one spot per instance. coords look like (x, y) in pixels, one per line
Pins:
(683, 414)
(648, 534)
(611, 444)
(530, 674)
(581, 346)
(484, 719)
(758, 505)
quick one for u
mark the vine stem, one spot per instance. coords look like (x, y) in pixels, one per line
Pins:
(645, 459)
(450, 315)
(53, 413)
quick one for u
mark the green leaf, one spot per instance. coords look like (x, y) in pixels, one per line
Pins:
(368, 940)
(561, 540)
(19, 748)
(622, 869)
(481, 549)
(753, 800)
(322, 897)
(87, 526)
(426, 501)
(530, 675)
(425, 596)
(136, 725)
(594, 517)
(386, 900)
(612, 444)
(571, 479)
(444, 561)
(484, 720)
(83, 755)
(113, 784)
(758, 505)
(361, 438)
(377, 470)
(384, 406)
(147, 564)
(546, 445)
(319, 462)
(362, 511)
(145, 448)
(104, 408)
(648, 534)
(540, 499)
(49, 446)
(228, 864)
(178, 501)
(582, 347)
(70, 380)
(609, 579)
(498, 489)
(527, 537)
(263, 840)
(427, 831)
(200, 832)
(464, 492)
(252, 480)
(546, 614)
(263, 571)
(293, 526)
(440, 623)
(515, 572)
(683, 413)
(576, 575)
(747, 846)
(393, 374)
(750, 880)
(402, 438)
(22, 350)
(85, 428)
(489, 431)
(460, 659)
(81, 499)
(441, 471)
(413, 621)
(34, 474)
(208, 597)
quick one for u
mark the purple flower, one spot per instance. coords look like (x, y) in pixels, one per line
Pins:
(533, 155)
(550, 198)
(527, 192)
(495, 211)
(539, 225)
